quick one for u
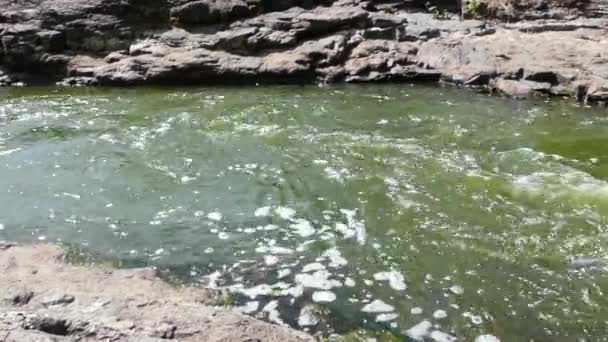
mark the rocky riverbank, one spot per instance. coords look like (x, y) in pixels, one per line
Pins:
(554, 47)
(45, 299)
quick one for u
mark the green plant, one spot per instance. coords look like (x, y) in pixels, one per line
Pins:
(75, 254)
(473, 8)
(225, 298)
(439, 14)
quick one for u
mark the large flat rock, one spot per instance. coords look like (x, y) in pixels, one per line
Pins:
(45, 299)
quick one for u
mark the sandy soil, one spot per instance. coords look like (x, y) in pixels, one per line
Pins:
(42, 298)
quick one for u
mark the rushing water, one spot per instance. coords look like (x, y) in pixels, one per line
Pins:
(387, 205)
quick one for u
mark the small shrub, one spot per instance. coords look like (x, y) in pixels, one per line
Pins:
(473, 8)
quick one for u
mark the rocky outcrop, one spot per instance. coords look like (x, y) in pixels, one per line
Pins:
(135, 42)
(44, 299)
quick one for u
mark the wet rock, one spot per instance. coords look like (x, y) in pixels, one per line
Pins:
(109, 43)
(520, 89)
(597, 92)
(4, 245)
(208, 12)
(78, 82)
(52, 41)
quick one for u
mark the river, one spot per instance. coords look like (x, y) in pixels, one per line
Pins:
(388, 206)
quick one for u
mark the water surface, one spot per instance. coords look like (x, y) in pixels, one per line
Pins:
(387, 205)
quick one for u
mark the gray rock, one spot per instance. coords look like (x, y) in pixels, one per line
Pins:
(110, 42)
(52, 41)
(57, 299)
(18, 296)
(520, 89)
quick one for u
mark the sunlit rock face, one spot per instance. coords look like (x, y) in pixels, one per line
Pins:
(112, 42)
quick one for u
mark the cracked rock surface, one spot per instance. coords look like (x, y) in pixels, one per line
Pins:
(560, 51)
(45, 299)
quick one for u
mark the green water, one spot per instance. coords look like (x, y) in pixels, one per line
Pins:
(492, 210)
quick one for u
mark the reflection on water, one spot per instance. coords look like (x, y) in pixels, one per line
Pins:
(424, 212)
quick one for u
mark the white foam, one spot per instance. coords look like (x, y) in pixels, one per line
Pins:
(350, 282)
(7, 152)
(308, 317)
(318, 280)
(440, 314)
(74, 196)
(273, 312)
(280, 250)
(377, 306)
(345, 231)
(419, 331)
(282, 273)
(335, 258)
(303, 227)
(333, 174)
(1, 226)
(296, 291)
(416, 311)
(285, 213)
(475, 319)
(187, 179)
(263, 211)
(215, 216)
(395, 279)
(353, 223)
(439, 336)
(315, 266)
(561, 182)
(486, 338)
(250, 307)
(386, 317)
(269, 227)
(323, 297)
(258, 290)
(457, 289)
(223, 235)
(270, 260)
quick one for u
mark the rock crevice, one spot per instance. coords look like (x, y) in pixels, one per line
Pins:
(135, 42)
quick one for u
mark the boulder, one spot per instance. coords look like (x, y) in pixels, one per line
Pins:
(520, 88)
(209, 12)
